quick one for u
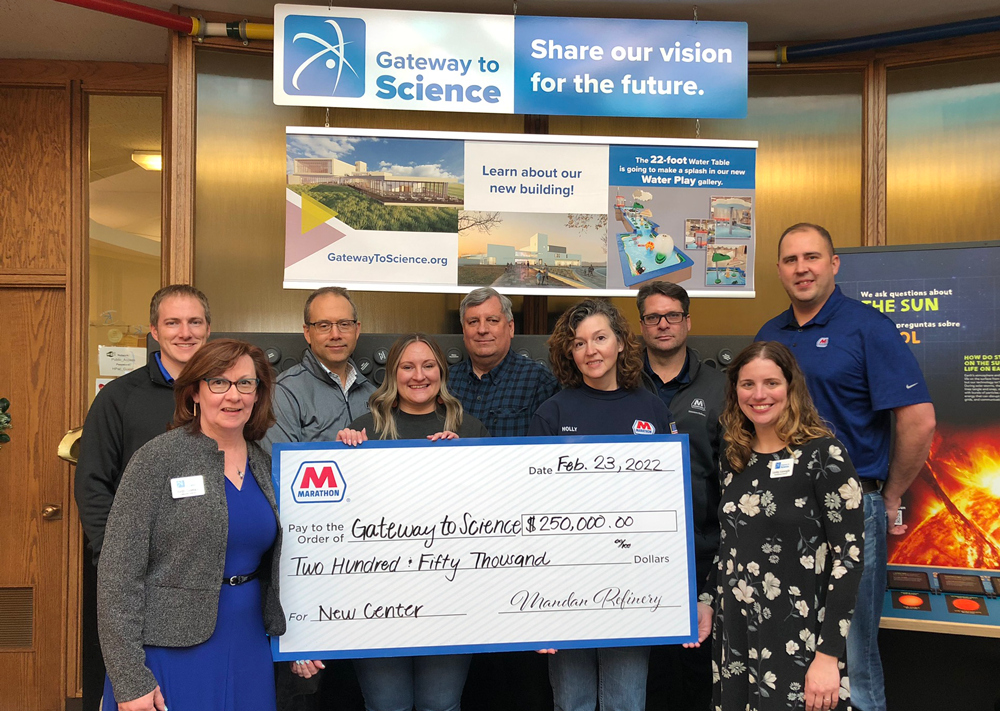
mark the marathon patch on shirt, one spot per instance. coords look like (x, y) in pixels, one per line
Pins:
(643, 427)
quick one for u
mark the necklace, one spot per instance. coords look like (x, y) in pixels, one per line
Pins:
(239, 473)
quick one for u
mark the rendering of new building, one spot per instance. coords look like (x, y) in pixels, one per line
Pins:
(538, 251)
(385, 187)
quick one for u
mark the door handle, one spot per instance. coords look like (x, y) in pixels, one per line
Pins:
(52, 512)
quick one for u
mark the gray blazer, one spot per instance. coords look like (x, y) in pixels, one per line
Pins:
(161, 566)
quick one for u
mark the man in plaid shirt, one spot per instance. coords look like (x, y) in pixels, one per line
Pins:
(499, 387)
(502, 389)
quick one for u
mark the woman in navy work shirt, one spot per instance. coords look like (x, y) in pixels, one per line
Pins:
(598, 361)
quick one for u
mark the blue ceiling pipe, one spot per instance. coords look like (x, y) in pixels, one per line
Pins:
(890, 39)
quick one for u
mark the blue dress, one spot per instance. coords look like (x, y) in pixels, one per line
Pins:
(232, 669)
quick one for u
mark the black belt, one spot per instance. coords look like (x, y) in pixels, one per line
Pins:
(239, 579)
(870, 486)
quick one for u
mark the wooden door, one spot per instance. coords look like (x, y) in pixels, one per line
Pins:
(32, 579)
(43, 280)
(34, 484)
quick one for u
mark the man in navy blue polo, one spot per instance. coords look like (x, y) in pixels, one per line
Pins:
(859, 372)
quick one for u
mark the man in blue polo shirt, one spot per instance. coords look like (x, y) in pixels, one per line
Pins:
(859, 372)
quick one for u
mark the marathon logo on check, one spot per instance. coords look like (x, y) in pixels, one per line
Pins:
(318, 482)
(643, 427)
(823, 342)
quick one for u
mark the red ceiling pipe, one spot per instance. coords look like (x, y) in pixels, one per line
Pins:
(179, 23)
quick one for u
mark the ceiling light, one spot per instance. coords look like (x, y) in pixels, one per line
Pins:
(148, 160)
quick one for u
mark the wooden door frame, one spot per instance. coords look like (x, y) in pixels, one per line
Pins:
(79, 80)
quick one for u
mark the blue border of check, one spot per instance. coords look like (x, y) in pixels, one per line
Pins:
(512, 646)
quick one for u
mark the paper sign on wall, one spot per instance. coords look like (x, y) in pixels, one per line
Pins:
(114, 361)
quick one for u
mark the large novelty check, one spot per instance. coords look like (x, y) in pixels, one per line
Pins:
(412, 547)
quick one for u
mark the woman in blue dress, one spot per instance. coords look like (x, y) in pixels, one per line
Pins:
(187, 582)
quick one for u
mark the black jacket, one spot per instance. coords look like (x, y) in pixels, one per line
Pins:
(696, 408)
(127, 413)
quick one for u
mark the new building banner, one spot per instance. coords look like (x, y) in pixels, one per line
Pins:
(439, 61)
(448, 212)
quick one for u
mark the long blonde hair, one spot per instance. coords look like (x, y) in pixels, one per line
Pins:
(384, 400)
(797, 424)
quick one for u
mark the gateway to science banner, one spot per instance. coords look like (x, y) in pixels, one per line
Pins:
(439, 61)
(382, 210)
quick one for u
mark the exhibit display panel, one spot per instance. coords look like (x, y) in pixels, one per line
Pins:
(944, 573)
(447, 212)
(238, 217)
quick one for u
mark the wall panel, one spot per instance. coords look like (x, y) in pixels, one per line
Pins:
(809, 169)
(943, 143)
(34, 160)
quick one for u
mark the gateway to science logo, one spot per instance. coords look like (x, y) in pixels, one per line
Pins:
(318, 482)
(324, 56)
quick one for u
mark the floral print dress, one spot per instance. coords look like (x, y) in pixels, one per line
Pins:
(788, 570)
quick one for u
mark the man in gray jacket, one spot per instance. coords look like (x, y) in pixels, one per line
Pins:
(325, 392)
(696, 395)
(312, 401)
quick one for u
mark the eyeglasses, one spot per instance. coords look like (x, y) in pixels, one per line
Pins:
(672, 317)
(342, 325)
(221, 385)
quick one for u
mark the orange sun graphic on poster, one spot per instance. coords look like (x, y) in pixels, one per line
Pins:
(954, 507)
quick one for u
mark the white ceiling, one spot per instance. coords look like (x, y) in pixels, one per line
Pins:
(46, 29)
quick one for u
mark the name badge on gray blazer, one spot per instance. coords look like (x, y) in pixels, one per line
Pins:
(185, 486)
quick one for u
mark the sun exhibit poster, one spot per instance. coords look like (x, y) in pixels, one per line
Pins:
(433, 211)
(945, 300)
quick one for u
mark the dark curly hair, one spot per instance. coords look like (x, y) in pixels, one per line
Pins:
(629, 365)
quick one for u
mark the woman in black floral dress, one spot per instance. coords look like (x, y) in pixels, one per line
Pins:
(792, 541)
